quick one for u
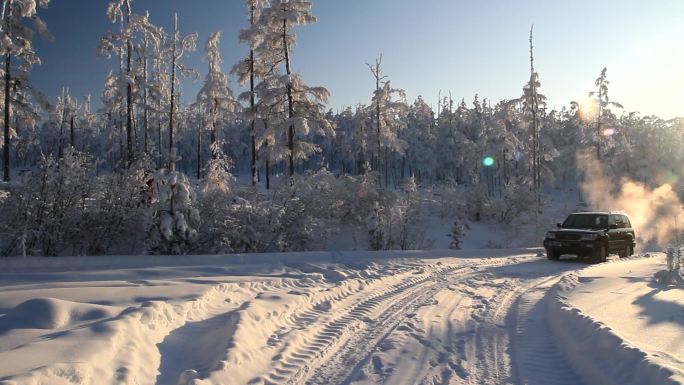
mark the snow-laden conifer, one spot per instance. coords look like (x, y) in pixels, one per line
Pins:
(215, 97)
(16, 37)
(388, 115)
(302, 105)
(174, 217)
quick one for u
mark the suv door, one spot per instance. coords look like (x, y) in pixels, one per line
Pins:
(628, 231)
(616, 233)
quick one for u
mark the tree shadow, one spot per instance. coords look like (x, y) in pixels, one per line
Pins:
(197, 347)
(658, 311)
(536, 268)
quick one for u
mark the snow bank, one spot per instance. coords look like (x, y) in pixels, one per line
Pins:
(597, 352)
(41, 264)
(120, 349)
(80, 343)
(52, 313)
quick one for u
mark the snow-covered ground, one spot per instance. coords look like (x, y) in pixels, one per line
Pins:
(439, 317)
(625, 314)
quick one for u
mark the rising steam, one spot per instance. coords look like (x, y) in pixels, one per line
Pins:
(656, 213)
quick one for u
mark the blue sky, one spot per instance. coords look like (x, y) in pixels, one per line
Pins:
(458, 46)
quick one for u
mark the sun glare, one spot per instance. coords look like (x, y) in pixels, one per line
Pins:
(609, 132)
(588, 109)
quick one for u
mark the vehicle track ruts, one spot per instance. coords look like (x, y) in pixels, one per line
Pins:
(538, 359)
(349, 359)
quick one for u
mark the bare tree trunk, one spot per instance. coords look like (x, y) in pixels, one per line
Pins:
(159, 143)
(145, 108)
(386, 167)
(8, 106)
(172, 164)
(199, 145)
(252, 102)
(377, 74)
(290, 101)
(129, 93)
(60, 147)
(535, 135)
(214, 132)
(72, 136)
(377, 116)
(598, 126)
(267, 161)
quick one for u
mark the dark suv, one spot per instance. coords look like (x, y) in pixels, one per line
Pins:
(593, 235)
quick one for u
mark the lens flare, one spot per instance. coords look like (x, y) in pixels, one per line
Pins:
(488, 161)
(588, 109)
(609, 132)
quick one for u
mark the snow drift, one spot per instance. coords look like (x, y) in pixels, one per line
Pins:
(596, 351)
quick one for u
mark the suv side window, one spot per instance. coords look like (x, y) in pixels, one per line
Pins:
(619, 223)
(625, 222)
(613, 220)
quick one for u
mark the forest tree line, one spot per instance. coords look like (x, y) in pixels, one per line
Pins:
(174, 163)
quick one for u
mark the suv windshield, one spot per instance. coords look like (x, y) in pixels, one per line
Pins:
(586, 221)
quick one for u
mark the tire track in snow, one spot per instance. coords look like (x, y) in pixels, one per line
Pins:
(477, 348)
(496, 340)
(294, 361)
(349, 361)
(298, 318)
(538, 359)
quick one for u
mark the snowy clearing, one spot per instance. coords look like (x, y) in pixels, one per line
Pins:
(481, 317)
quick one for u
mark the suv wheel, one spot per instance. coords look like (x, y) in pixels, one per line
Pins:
(626, 252)
(600, 255)
(552, 255)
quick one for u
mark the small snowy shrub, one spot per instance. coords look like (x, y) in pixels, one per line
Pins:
(518, 198)
(448, 201)
(395, 221)
(456, 234)
(174, 218)
(476, 202)
(116, 210)
(310, 207)
(214, 205)
(46, 211)
(376, 224)
(408, 218)
(218, 178)
(250, 226)
(359, 196)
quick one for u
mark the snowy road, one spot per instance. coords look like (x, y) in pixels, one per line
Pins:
(395, 321)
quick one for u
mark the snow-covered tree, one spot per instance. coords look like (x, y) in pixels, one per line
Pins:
(420, 132)
(410, 234)
(158, 90)
(304, 104)
(147, 48)
(63, 116)
(112, 103)
(249, 69)
(604, 116)
(26, 113)
(215, 98)
(16, 44)
(174, 218)
(179, 45)
(456, 234)
(120, 44)
(390, 109)
(533, 103)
